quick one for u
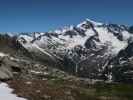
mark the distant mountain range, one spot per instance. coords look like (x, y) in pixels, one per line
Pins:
(91, 49)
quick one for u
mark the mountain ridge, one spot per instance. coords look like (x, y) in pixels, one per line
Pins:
(90, 49)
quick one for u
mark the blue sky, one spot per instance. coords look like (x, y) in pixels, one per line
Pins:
(45, 15)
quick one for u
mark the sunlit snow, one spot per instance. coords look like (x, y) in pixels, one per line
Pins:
(6, 93)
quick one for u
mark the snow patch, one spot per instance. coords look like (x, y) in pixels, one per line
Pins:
(6, 93)
(3, 54)
(109, 39)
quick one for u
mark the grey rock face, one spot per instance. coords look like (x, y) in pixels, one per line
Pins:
(7, 68)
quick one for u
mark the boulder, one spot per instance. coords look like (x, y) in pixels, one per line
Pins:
(7, 68)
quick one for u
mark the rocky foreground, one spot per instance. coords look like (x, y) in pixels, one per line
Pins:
(36, 81)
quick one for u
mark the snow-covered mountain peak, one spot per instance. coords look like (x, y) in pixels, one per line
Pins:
(88, 34)
(91, 46)
(89, 22)
(91, 49)
(94, 22)
(64, 29)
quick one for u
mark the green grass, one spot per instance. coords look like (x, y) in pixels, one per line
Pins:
(99, 91)
(114, 91)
